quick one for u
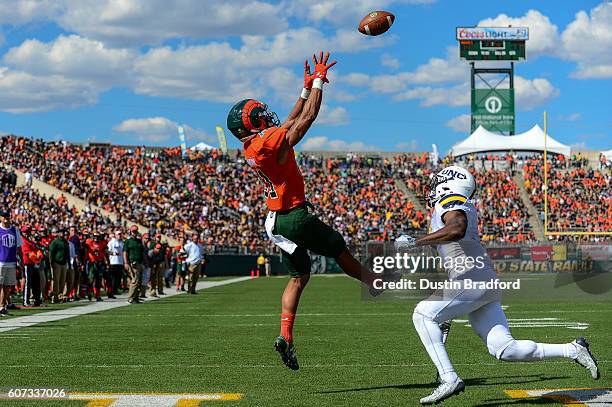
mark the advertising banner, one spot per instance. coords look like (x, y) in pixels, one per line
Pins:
(597, 251)
(541, 253)
(493, 109)
(504, 253)
(559, 252)
(493, 33)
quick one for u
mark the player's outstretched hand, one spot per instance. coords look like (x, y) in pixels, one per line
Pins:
(321, 67)
(404, 242)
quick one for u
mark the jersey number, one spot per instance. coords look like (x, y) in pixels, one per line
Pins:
(269, 191)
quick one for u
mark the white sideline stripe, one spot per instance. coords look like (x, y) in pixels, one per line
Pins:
(121, 301)
(274, 366)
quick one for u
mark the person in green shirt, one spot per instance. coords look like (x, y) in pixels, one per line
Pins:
(59, 255)
(133, 257)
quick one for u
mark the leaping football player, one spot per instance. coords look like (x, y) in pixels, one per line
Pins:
(454, 228)
(268, 150)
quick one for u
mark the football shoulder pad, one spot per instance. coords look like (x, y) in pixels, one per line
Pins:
(451, 200)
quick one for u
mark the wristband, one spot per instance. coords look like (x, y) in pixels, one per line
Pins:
(305, 93)
(318, 83)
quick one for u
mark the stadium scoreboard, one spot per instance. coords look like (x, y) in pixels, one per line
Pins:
(492, 43)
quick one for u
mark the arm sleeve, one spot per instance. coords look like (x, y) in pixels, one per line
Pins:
(454, 202)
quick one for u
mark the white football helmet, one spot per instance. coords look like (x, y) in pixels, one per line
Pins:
(451, 180)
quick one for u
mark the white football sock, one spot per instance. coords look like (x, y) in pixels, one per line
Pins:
(431, 336)
(524, 351)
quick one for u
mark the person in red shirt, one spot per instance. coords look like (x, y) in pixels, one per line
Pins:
(268, 150)
(32, 257)
(97, 262)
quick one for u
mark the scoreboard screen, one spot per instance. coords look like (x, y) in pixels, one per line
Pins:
(492, 50)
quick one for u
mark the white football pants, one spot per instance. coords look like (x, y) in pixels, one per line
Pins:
(487, 319)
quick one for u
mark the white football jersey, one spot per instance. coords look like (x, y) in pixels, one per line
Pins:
(466, 254)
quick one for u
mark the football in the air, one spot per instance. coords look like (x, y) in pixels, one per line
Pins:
(376, 23)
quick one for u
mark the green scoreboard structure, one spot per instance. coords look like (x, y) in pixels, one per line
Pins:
(492, 105)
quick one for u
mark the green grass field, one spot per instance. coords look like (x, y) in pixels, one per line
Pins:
(352, 352)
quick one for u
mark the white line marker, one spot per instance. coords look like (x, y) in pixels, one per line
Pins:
(30, 320)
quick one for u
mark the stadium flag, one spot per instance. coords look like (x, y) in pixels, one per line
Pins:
(435, 156)
(222, 139)
(181, 133)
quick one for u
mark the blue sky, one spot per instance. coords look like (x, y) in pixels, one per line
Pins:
(128, 72)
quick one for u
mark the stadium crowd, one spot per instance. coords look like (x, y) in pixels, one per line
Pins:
(503, 216)
(364, 197)
(66, 255)
(579, 197)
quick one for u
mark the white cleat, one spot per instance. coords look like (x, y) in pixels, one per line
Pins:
(585, 358)
(444, 391)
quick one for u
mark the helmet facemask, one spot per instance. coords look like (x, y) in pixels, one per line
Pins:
(436, 190)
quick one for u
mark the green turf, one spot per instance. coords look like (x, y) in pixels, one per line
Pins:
(352, 352)
(46, 307)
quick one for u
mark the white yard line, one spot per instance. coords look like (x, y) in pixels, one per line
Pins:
(11, 324)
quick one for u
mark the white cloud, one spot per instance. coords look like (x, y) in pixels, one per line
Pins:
(24, 93)
(570, 117)
(220, 72)
(588, 40)
(74, 58)
(158, 129)
(216, 71)
(332, 117)
(436, 71)
(543, 35)
(532, 93)
(410, 145)
(321, 143)
(529, 94)
(458, 95)
(69, 72)
(461, 123)
(137, 22)
(441, 70)
(389, 61)
(17, 12)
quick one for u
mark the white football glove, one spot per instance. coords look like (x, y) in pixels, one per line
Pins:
(404, 242)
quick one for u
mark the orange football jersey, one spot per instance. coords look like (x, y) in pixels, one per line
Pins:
(283, 183)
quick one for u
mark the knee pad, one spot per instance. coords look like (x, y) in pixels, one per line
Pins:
(497, 340)
(421, 313)
(520, 351)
